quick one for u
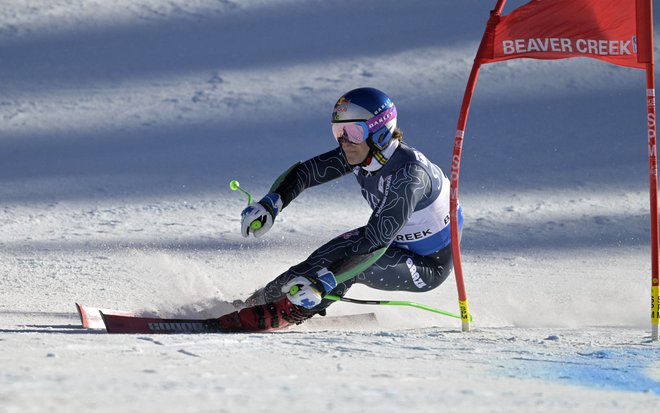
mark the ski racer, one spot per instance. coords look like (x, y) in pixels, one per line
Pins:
(409, 197)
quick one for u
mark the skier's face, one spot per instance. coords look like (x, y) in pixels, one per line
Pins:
(355, 153)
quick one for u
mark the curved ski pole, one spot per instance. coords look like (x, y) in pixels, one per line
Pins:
(347, 269)
(235, 186)
(398, 303)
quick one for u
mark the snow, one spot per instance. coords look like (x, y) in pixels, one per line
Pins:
(123, 122)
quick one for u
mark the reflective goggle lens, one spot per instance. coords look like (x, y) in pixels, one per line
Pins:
(354, 132)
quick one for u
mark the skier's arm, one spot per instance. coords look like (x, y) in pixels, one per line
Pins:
(315, 171)
(302, 175)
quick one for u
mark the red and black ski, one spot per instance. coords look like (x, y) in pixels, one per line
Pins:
(131, 324)
(90, 317)
(122, 324)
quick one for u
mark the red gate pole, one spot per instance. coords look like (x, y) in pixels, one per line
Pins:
(653, 199)
(644, 10)
(456, 165)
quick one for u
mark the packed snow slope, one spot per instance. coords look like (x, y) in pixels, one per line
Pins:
(121, 124)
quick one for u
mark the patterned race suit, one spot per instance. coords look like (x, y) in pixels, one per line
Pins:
(409, 197)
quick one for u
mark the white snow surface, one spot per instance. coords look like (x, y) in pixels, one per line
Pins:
(121, 124)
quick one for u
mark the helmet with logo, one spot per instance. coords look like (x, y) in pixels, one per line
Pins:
(365, 114)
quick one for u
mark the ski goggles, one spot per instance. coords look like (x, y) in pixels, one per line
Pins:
(356, 131)
(353, 132)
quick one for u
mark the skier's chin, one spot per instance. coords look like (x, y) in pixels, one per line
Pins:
(354, 159)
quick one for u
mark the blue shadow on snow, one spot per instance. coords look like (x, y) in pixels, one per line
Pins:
(606, 369)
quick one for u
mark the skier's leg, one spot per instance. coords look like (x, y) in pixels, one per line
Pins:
(329, 255)
(269, 307)
(397, 270)
(403, 270)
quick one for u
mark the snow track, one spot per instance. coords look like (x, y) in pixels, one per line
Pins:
(122, 123)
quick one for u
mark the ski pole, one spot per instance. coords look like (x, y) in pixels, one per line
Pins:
(347, 269)
(399, 303)
(235, 186)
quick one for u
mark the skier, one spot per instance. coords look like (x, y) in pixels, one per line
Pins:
(409, 197)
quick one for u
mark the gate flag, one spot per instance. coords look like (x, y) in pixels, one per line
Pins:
(616, 31)
(619, 32)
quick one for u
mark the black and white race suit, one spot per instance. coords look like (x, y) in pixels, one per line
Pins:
(409, 198)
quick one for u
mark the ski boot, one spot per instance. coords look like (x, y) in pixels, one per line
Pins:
(264, 317)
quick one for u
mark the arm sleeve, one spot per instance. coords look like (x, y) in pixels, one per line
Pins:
(315, 171)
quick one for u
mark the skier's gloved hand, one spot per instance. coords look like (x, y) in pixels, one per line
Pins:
(263, 212)
(307, 291)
